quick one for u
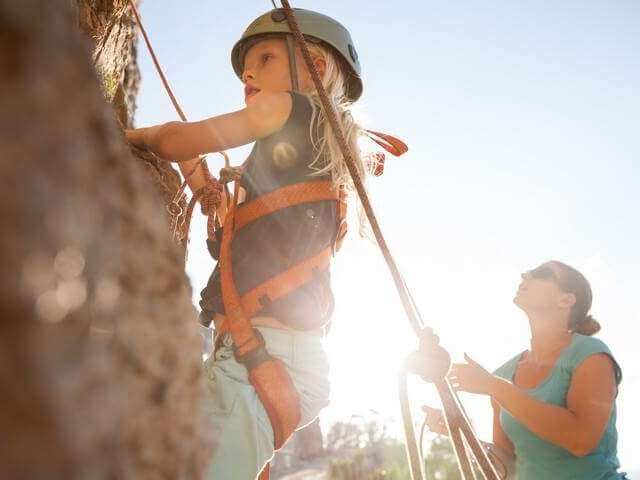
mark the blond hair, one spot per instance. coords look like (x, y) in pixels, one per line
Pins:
(329, 158)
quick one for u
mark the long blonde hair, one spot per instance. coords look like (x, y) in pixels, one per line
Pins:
(329, 158)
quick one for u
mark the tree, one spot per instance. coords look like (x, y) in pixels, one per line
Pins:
(358, 432)
(441, 461)
(99, 353)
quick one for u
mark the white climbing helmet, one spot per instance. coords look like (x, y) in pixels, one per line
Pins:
(317, 28)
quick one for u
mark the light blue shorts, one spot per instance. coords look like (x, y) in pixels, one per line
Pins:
(241, 427)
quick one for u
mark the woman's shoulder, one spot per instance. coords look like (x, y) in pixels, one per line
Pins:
(508, 369)
(582, 347)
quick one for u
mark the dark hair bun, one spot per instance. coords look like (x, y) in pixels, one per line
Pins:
(589, 326)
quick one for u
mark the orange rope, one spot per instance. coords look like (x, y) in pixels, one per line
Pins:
(156, 63)
(211, 190)
(458, 425)
(405, 296)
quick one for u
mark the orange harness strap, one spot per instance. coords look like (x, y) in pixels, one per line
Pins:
(268, 375)
(292, 278)
(285, 282)
(288, 196)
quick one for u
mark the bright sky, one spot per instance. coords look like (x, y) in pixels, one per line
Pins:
(523, 124)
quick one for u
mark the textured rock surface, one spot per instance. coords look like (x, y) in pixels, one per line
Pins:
(99, 353)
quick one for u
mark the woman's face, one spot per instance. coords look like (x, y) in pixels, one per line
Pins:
(540, 290)
(266, 68)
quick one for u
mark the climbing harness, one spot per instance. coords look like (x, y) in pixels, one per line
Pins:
(297, 275)
(267, 374)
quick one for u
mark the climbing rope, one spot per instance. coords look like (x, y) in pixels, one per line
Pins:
(457, 423)
(210, 195)
(410, 308)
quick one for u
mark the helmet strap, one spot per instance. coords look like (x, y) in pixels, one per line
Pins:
(293, 71)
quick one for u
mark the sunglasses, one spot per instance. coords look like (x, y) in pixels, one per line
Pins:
(543, 272)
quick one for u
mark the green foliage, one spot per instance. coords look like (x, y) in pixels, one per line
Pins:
(351, 469)
(398, 472)
(395, 465)
(357, 433)
(366, 442)
(109, 85)
(365, 451)
(441, 463)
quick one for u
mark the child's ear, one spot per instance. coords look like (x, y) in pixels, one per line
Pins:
(321, 65)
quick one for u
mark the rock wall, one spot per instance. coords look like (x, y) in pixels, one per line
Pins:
(99, 352)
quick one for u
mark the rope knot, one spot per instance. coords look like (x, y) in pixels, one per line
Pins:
(211, 196)
(231, 174)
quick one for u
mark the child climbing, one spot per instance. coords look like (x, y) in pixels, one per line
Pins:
(269, 296)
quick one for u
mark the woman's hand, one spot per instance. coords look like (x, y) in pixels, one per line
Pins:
(471, 377)
(435, 420)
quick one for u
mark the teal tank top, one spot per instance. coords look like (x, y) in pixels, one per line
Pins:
(538, 459)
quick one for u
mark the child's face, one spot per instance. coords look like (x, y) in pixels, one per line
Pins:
(266, 68)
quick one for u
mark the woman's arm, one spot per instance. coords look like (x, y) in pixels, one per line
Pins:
(180, 141)
(577, 428)
(499, 437)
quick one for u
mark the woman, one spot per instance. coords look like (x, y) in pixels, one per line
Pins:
(554, 404)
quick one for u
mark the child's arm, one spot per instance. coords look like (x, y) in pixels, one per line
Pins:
(266, 113)
(184, 141)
